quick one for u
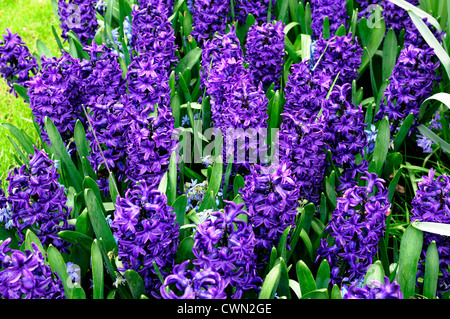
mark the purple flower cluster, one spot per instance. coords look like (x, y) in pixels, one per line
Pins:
(209, 17)
(336, 12)
(339, 56)
(306, 89)
(38, 201)
(25, 275)
(257, 8)
(78, 16)
(221, 46)
(227, 244)
(374, 290)
(432, 204)
(55, 93)
(355, 228)
(16, 61)
(410, 84)
(271, 197)
(344, 134)
(265, 52)
(193, 284)
(302, 147)
(146, 233)
(152, 32)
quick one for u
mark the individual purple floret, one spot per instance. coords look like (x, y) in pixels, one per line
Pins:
(55, 92)
(432, 204)
(411, 82)
(38, 200)
(302, 146)
(344, 134)
(5, 209)
(193, 284)
(336, 12)
(209, 17)
(339, 56)
(271, 197)
(25, 275)
(265, 52)
(355, 228)
(374, 290)
(257, 8)
(146, 231)
(152, 32)
(16, 61)
(227, 244)
(78, 16)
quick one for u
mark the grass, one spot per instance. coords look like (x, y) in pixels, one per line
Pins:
(31, 19)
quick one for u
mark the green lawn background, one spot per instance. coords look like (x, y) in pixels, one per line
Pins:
(31, 19)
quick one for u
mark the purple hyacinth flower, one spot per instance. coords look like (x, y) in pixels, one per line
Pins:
(336, 12)
(355, 228)
(227, 244)
(16, 61)
(265, 52)
(193, 284)
(38, 201)
(25, 275)
(271, 197)
(432, 204)
(374, 290)
(209, 17)
(259, 9)
(146, 231)
(78, 16)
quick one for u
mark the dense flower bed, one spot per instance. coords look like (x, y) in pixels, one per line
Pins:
(209, 149)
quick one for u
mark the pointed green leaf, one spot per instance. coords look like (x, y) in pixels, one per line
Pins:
(381, 145)
(97, 271)
(305, 278)
(432, 227)
(270, 283)
(323, 275)
(375, 272)
(135, 283)
(316, 294)
(410, 249)
(336, 292)
(430, 279)
(77, 238)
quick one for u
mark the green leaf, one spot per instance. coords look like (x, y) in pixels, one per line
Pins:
(42, 49)
(316, 294)
(20, 137)
(97, 271)
(283, 10)
(113, 189)
(382, 145)
(430, 279)
(323, 275)
(99, 222)
(135, 283)
(172, 182)
(434, 138)
(179, 207)
(336, 292)
(270, 283)
(431, 41)
(184, 251)
(371, 38)
(30, 237)
(283, 289)
(375, 272)
(77, 238)
(189, 60)
(389, 54)
(305, 278)
(216, 176)
(81, 140)
(60, 148)
(442, 97)
(410, 249)
(57, 264)
(403, 131)
(417, 11)
(282, 243)
(432, 227)
(238, 183)
(331, 189)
